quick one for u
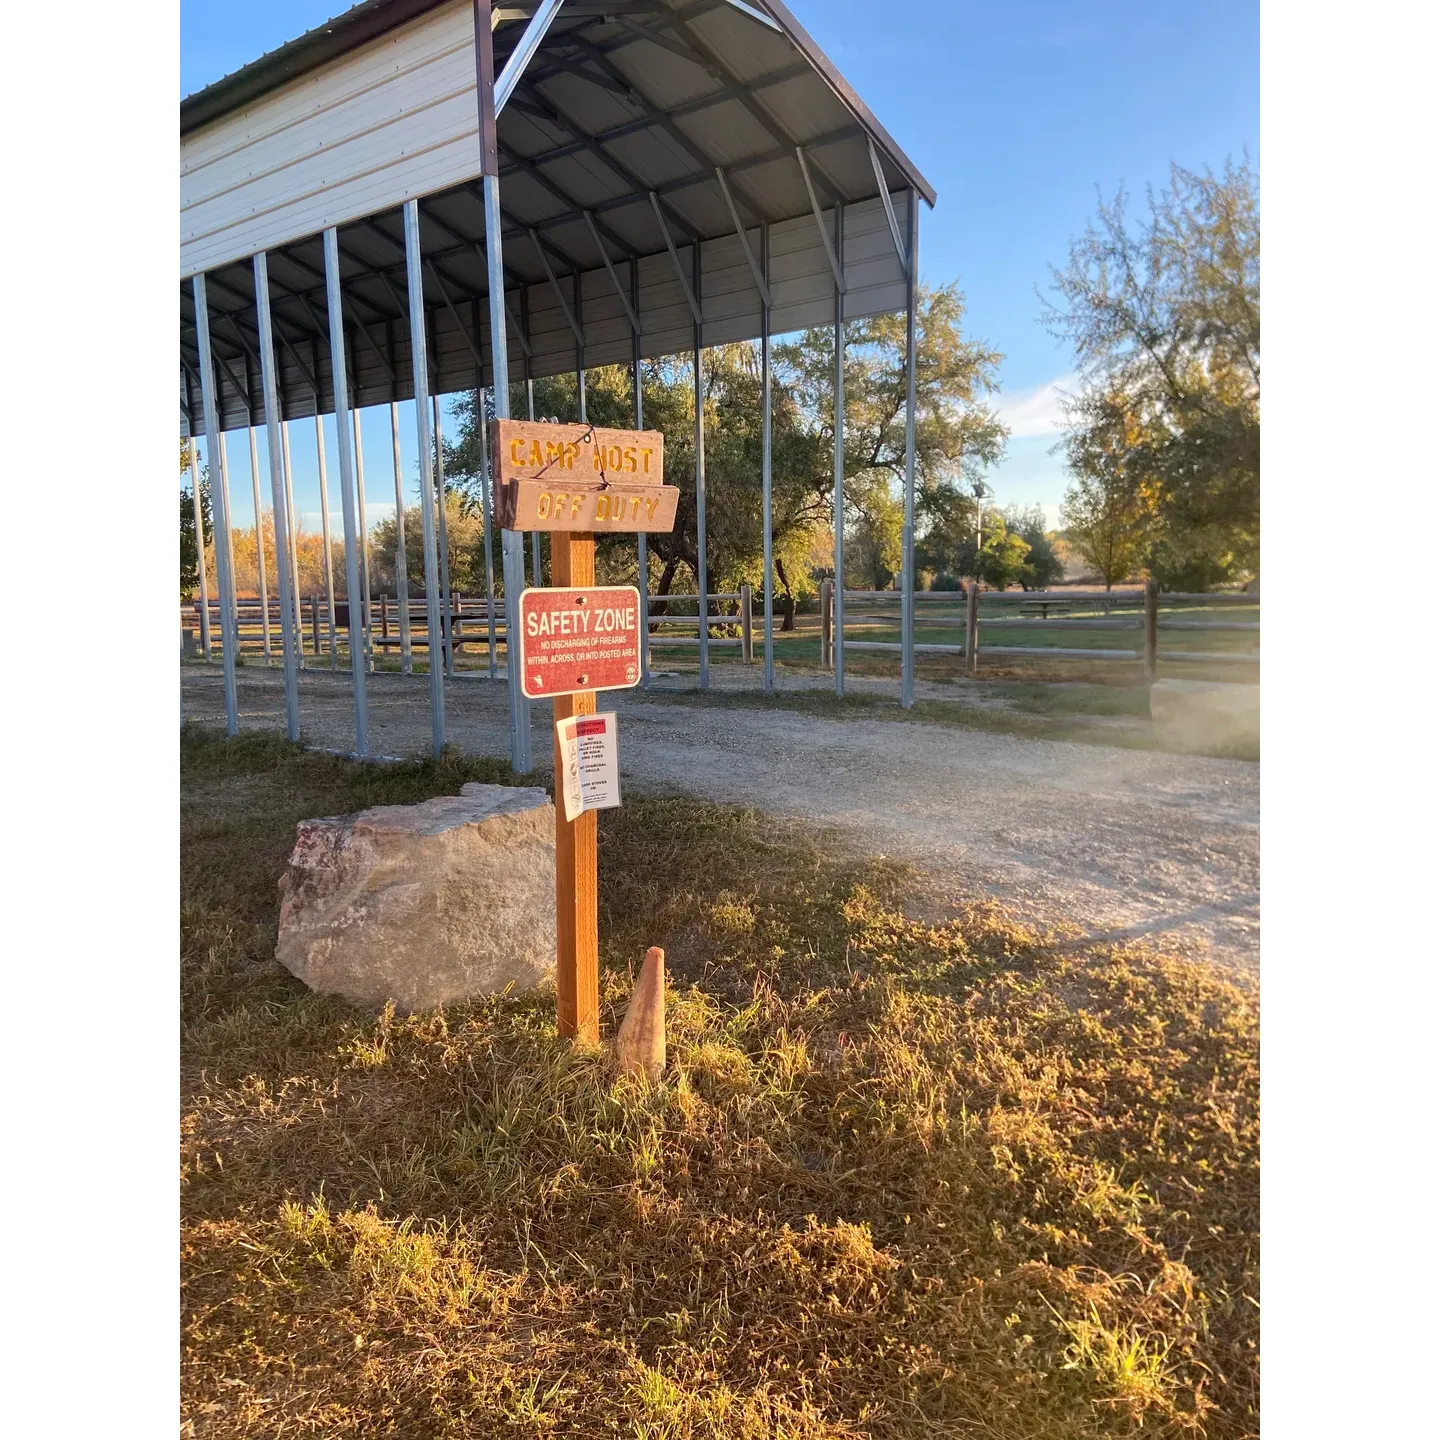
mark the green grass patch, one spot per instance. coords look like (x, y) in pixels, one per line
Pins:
(901, 1179)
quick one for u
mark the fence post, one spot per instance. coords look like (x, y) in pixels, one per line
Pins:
(827, 659)
(384, 620)
(315, 622)
(747, 646)
(1152, 625)
(972, 627)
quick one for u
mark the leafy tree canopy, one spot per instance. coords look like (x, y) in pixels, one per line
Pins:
(1164, 318)
(1043, 564)
(957, 436)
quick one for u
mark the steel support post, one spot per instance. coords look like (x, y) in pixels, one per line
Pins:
(325, 538)
(259, 544)
(447, 619)
(367, 618)
(703, 577)
(512, 542)
(482, 431)
(534, 534)
(765, 472)
(838, 634)
(345, 442)
(486, 518)
(907, 548)
(402, 561)
(421, 373)
(284, 572)
(294, 520)
(220, 500)
(227, 533)
(578, 304)
(442, 544)
(200, 548)
(638, 396)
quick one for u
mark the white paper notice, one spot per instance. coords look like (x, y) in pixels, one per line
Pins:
(589, 755)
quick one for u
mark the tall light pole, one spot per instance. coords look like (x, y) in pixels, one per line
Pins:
(981, 491)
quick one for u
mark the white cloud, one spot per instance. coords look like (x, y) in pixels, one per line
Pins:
(1036, 412)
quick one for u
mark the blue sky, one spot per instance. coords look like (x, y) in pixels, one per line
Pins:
(1014, 111)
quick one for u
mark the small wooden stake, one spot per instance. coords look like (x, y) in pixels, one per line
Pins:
(640, 1041)
(577, 942)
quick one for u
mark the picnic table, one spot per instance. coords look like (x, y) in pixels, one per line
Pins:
(1030, 607)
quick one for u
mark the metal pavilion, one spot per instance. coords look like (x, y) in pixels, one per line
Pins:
(422, 195)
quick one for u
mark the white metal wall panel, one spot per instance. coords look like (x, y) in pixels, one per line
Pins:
(389, 122)
(874, 279)
(803, 284)
(607, 326)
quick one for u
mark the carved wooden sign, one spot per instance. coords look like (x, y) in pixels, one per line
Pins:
(580, 477)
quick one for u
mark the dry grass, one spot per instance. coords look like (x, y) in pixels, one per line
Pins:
(901, 1179)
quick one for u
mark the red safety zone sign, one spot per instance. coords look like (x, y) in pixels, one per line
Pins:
(572, 640)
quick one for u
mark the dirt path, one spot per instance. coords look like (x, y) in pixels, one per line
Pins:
(1124, 842)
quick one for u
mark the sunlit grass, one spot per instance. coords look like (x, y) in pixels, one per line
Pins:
(900, 1178)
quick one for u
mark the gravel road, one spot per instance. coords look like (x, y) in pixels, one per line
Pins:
(1123, 842)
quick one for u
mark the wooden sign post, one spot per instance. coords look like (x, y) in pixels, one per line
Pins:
(577, 934)
(575, 480)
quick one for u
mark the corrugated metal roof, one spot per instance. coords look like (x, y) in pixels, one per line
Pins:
(624, 97)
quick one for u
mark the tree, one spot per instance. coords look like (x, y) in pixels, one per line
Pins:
(947, 542)
(956, 436)
(1191, 561)
(465, 547)
(733, 444)
(1003, 556)
(1164, 318)
(1043, 565)
(189, 556)
(1103, 528)
(872, 538)
(1109, 509)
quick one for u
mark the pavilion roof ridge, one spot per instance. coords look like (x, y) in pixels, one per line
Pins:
(370, 19)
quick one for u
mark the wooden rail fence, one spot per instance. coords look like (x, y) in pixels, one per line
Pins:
(1146, 614)
(1138, 611)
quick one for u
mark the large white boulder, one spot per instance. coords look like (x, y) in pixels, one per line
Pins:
(1206, 714)
(423, 904)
